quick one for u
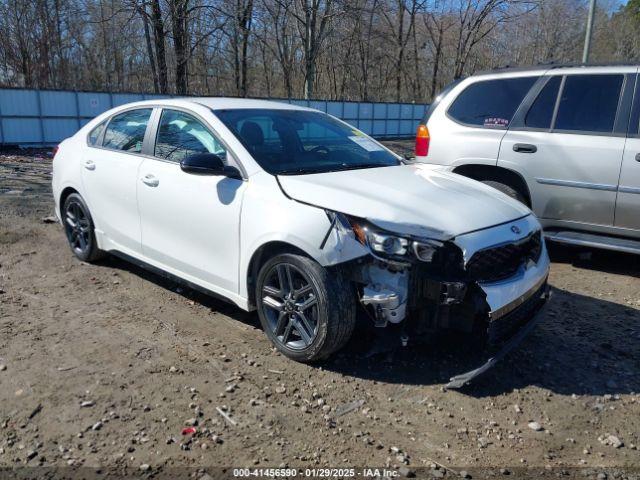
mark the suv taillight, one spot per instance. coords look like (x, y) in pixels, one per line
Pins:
(55, 150)
(422, 141)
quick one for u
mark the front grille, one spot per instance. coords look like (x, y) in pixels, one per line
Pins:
(497, 263)
(503, 328)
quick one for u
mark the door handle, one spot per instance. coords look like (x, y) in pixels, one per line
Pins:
(525, 148)
(89, 165)
(637, 157)
(150, 180)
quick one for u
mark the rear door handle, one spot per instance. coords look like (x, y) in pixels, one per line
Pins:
(525, 148)
(89, 165)
(150, 180)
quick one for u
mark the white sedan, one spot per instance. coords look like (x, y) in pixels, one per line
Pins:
(303, 217)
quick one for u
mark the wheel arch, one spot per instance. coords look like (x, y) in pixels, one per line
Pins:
(263, 253)
(498, 174)
(65, 194)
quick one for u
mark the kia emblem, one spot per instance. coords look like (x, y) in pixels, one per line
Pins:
(515, 229)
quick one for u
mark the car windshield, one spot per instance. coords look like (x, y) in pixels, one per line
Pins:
(296, 142)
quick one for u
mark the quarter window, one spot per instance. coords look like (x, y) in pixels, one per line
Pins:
(94, 136)
(181, 135)
(491, 103)
(589, 103)
(126, 131)
(541, 112)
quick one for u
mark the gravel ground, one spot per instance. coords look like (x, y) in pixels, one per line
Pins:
(103, 366)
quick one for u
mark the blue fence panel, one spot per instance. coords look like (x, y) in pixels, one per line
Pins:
(335, 109)
(58, 104)
(380, 111)
(118, 99)
(93, 104)
(22, 131)
(19, 103)
(57, 128)
(350, 111)
(365, 110)
(45, 117)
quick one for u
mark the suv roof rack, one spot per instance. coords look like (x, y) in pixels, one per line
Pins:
(554, 65)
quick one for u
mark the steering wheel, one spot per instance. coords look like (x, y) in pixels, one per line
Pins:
(319, 148)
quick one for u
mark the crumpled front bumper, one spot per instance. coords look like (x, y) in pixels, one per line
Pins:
(539, 294)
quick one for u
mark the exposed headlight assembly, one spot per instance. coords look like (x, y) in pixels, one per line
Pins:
(387, 244)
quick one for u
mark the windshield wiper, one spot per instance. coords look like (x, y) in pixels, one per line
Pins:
(359, 166)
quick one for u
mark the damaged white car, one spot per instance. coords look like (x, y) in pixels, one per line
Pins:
(301, 216)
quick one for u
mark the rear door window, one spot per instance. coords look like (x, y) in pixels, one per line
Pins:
(126, 131)
(540, 114)
(589, 103)
(490, 103)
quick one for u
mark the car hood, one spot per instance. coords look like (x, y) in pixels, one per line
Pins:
(407, 199)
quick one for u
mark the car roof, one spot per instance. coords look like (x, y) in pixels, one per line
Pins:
(543, 68)
(221, 103)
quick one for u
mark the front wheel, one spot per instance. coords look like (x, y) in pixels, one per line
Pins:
(306, 311)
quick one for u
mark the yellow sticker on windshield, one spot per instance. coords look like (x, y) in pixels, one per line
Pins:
(356, 132)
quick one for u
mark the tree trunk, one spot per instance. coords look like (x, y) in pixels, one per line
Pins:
(159, 37)
(147, 37)
(180, 43)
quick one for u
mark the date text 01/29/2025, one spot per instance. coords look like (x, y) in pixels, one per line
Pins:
(315, 473)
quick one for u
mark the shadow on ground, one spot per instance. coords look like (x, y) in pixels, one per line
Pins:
(583, 345)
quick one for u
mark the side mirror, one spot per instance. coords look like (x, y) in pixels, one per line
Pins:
(208, 164)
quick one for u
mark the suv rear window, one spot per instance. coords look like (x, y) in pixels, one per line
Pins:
(490, 103)
(589, 103)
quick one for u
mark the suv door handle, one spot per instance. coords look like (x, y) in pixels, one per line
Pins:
(150, 180)
(89, 165)
(525, 148)
(637, 157)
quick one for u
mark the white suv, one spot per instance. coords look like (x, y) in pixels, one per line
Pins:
(562, 140)
(299, 215)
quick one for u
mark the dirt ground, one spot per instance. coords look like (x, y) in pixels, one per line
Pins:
(102, 367)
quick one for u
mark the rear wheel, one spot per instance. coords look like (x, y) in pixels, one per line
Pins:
(79, 228)
(506, 189)
(306, 311)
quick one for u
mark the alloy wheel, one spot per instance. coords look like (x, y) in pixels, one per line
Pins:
(290, 304)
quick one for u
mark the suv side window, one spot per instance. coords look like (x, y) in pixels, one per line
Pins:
(180, 135)
(540, 114)
(126, 131)
(490, 103)
(94, 135)
(589, 103)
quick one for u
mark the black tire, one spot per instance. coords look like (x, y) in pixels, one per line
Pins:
(331, 310)
(79, 229)
(507, 190)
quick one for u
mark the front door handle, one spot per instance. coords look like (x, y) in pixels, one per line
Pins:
(525, 148)
(150, 180)
(89, 165)
(637, 157)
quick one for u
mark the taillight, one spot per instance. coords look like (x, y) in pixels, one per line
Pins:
(55, 150)
(422, 141)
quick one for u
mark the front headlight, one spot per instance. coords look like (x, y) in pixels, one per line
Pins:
(387, 244)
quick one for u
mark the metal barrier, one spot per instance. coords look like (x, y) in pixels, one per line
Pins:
(46, 117)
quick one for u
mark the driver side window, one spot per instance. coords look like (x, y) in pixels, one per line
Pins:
(180, 135)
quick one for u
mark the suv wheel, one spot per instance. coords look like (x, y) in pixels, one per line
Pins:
(78, 226)
(307, 312)
(507, 190)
